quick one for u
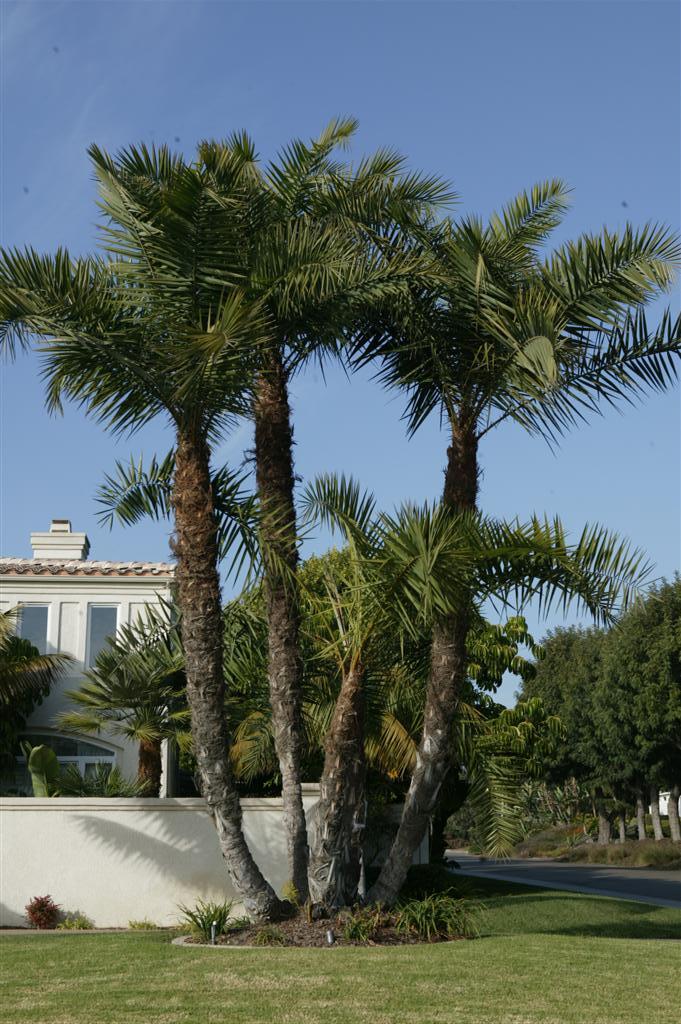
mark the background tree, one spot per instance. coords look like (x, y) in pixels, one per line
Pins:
(644, 668)
(617, 694)
(567, 682)
(504, 333)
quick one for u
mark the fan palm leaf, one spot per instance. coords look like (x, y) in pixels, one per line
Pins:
(24, 672)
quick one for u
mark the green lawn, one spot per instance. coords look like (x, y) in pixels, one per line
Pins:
(549, 957)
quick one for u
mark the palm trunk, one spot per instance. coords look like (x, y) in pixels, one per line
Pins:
(149, 766)
(274, 473)
(448, 660)
(336, 841)
(673, 812)
(640, 816)
(655, 813)
(198, 589)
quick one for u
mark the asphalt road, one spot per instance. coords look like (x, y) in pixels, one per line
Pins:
(662, 888)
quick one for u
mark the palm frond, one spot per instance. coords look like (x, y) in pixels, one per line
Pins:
(24, 672)
(529, 219)
(133, 492)
(600, 572)
(339, 503)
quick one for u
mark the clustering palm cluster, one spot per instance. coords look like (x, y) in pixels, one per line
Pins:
(217, 280)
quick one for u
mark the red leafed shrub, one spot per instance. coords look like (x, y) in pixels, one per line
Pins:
(43, 912)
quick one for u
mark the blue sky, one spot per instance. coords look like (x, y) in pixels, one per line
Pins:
(493, 96)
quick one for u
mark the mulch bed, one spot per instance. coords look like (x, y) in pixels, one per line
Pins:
(298, 931)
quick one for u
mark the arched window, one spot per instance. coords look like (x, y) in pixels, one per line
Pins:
(84, 754)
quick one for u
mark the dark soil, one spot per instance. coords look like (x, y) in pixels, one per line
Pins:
(298, 931)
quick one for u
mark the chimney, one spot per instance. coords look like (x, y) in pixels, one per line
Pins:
(60, 544)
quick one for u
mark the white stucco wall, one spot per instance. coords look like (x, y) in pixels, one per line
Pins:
(117, 860)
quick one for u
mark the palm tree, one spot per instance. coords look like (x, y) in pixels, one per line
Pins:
(137, 689)
(498, 747)
(25, 678)
(493, 752)
(504, 333)
(368, 617)
(317, 250)
(157, 326)
(313, 268)
(217, 281)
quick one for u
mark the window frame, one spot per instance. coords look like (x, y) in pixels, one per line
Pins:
(88, 661)
(36, 604)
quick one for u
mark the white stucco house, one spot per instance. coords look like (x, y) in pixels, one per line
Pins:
(71, 604)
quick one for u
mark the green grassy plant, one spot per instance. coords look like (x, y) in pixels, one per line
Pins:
(363, 924)
(204, 914)
(75, 922)
(290, 893)
(440, 915)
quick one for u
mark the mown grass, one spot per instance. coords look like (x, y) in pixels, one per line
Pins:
(544, 958)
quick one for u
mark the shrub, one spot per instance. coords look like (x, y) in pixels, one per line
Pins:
(363, 924)
(438, 916)
(105, 781)
(143, 925)
(269, 935)
(43, 912)
(633, 854)
(201, 917)
(75, 922)
(551, 842)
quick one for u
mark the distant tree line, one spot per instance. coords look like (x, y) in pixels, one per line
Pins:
(618, 695)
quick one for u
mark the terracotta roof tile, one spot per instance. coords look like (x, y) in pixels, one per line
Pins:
(57, 567)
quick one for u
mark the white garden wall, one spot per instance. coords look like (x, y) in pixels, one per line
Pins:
(117, 860)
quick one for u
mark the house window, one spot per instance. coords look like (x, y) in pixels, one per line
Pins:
(102, 623)
(33, 625)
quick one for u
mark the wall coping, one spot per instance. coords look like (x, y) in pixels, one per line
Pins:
(122, 804)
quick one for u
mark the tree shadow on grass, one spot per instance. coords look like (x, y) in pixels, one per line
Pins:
(630, 930)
